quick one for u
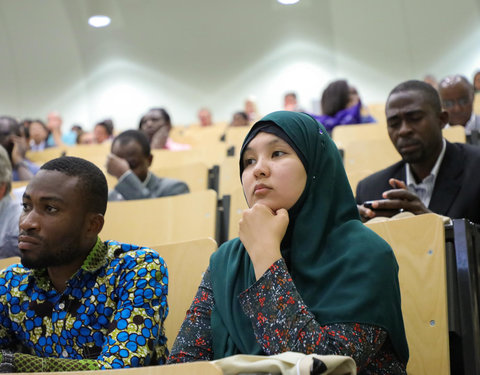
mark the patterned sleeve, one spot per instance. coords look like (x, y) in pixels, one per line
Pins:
(135, 335)
(282, 322)
(194, 341)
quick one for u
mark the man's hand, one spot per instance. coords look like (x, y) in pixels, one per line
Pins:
(261, 232)
(395, 200)
(20, 147)
(116, 166)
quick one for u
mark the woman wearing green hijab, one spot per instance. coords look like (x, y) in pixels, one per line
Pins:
(304, 275)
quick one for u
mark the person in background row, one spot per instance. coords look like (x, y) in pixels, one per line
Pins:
(9, 210)
(250, 108)
(12, 138)
(297, 278)
(457, 95)
(290, 102)
(431, 80)
(341, 105)
(103, 131)
(156, 125)
(56, 137)
(129, 162)
(77, 303)
(37, 135)
(205, 117)
(434, 175)
(476, 81)
(240, 119)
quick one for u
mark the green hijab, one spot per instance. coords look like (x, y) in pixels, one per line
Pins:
(344, 272)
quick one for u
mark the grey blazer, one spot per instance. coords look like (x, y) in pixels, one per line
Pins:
(130, 187)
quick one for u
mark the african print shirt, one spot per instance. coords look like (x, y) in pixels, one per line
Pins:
(109, 316)
(282, 322)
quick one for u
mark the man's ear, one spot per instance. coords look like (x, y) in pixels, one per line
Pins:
(444, 118)
(95, 223)
(150, 159)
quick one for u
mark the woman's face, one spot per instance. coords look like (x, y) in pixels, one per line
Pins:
(152, 122)
(273, 173)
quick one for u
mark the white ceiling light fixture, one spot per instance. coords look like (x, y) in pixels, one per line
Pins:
(99, 21)
(288, 2)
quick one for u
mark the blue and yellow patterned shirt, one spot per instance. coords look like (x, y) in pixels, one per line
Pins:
(109, 316)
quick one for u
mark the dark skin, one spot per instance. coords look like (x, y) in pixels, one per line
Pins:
(156, 128)
(56, 229)
(128, 156)
(16, 146)
(415, 129)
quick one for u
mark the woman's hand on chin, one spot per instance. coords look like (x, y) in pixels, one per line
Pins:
(261, 232)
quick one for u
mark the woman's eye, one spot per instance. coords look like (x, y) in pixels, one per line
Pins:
(247, 162)
(278, 153)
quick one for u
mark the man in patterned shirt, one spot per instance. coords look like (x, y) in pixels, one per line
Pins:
(77, 303)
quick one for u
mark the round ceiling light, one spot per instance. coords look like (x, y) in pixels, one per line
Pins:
(99, 21)
(288, 2)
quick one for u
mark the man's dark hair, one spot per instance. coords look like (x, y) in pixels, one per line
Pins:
(135, 135)
(429, 93)
(164, 113)
(335, 97)
(92, 181)
(292, 94)
(242, 114)
(107, 124)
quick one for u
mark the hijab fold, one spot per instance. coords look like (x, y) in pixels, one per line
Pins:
(344, 272)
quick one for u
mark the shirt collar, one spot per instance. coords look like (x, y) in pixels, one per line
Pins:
(147, 180)
(410, 180)
(470, 125)
(95, 259)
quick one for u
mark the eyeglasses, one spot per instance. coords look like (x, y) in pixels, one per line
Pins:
(451, 103)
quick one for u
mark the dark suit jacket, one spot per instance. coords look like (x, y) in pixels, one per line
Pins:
(457, 188)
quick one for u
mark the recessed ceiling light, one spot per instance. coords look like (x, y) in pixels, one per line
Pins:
(99, 21)
(288, 2)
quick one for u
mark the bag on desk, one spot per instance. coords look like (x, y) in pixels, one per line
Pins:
(288, 363)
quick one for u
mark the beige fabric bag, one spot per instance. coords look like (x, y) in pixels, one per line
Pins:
(288, 363)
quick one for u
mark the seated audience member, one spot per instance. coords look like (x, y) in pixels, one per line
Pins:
(240, 119)
(297, 278)
(85, 138)
(205, 117)
(434, 175)
(156, 125)
(103, 131)
(12, 138)
(457, 96)
(341, 105)
(56, 137)
(290, 102)
(250, 108)
(77, 303)
(9, 210)
(431, 80)
(37, 135)
(476, 81)
(129, 162)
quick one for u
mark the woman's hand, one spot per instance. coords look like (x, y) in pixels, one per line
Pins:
(261, 232)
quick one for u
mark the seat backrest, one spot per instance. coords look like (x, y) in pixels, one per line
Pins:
(5, 262)
(455, 133)
(186, 263)
(162, 220)
(419, 246)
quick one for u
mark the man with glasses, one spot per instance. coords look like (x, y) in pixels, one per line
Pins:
(457, 96)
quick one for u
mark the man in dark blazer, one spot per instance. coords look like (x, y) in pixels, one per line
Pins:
(433, 175)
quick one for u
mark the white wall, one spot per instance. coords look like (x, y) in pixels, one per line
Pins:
(185, 54)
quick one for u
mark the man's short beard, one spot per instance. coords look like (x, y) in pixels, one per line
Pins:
(65, 256)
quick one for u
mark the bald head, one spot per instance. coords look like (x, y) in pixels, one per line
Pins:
(457, 96)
